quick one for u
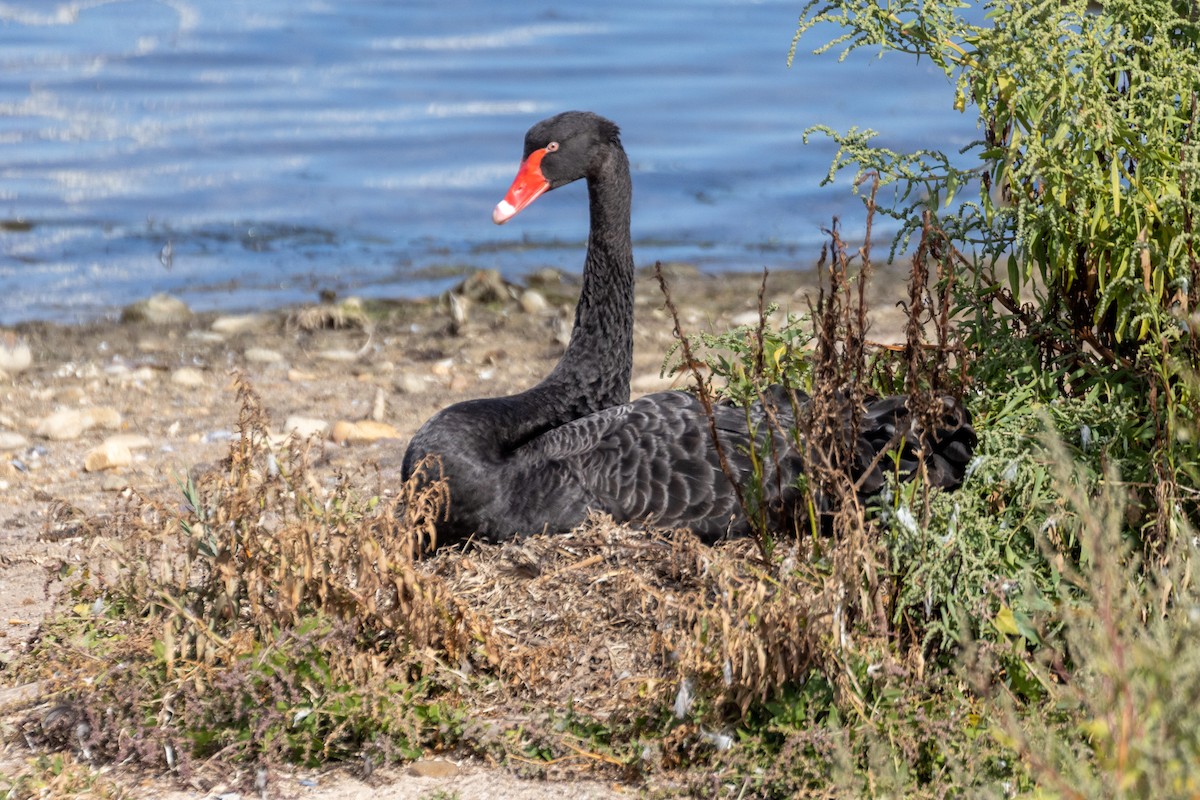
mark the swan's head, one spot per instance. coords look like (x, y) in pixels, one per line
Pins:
(558, 150)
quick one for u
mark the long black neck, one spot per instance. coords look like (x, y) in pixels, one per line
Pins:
(594, 372)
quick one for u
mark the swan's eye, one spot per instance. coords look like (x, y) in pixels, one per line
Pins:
(550, 148)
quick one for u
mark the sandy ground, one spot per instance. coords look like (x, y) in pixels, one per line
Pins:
(164, 390)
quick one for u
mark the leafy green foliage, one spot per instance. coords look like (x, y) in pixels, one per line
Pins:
(1081, 248)
(1089, 166)
(748, 357)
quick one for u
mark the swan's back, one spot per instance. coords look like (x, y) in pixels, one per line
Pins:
(652, 462)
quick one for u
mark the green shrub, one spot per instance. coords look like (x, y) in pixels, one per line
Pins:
(1078, 256)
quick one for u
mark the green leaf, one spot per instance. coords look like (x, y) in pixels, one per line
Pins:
(1006, 622)
(1115, 178)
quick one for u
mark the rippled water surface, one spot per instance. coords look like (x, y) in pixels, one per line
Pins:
(249, 154)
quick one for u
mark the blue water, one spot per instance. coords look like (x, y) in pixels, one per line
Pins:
(248, 154)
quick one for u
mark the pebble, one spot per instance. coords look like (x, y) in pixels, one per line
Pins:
(188, 376)
(70, 423)
(107, 455)
(11, 440)
(263, 355)
(239, 323)
(162, 309)
(121, 373)
(533, 301)
(443, 367)
(15, 354)
(134, 441)
(379, 404)
(298, 375)
(141, 375)
(562, 331)
(366, 430)
(338, 355)
(408, 383)
(304, 427)
(545, 277)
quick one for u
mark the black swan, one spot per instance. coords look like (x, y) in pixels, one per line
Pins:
(540, 460)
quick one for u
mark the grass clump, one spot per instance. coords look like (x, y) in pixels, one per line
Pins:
(265, 621)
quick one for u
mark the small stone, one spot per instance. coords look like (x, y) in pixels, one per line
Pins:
(107, 455)
(562, 331)
(70, 423)
(545, 277)
(188, 376)
(62, 425)
(533, 301)
(242, 323)
(304, 427)
(134, 441)
(408, 383)
(367, 430)
(459, 383)
(298, 375)
(11, 440)
(160, 309)
(443, 367)
(141, 375)
(15, 354)
(153, 344)
(262, 355)
(337, 355)
(379, 404)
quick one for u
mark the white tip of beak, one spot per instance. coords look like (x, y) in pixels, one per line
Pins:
(503, 212)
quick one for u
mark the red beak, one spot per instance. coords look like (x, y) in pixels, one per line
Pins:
(529, 184)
